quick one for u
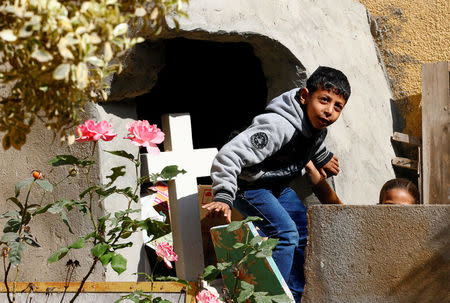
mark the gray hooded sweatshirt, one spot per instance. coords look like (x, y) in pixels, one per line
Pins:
(272, 151)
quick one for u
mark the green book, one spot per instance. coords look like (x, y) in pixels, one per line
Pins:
(260, 272)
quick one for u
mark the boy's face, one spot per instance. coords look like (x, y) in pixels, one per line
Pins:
(323, 107)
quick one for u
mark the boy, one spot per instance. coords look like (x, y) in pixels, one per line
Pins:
(253, 170)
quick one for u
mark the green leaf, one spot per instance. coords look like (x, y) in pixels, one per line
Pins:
(255, 240)
(120, 29)
(170, 172)
(15, 252)
(283, 298)
(12, 225)
(61, 160)
(247, 286)
(9, 237)
(58, 255)
(45, 185)
(238, 245)
(174, 279)
(244, 295)
(30, 241)
(99, 249)
(82, 75)
(66, 221)
(21, 184)
(223, 266)
(43, 209)
(252, 219)
(79, 243)
(235, 225)
(41, 55)
(106, 258)
(10, 213)
(210, 273)
(264, 253)
(262, 299)
(88, 190)
(118, 263)
(269, 244)
(121, 153)
(122, 245)
(8, 35)
(259, 294)
(61, 72)
(116, 173)
(17, 202)
(155, 228)
(64, 160)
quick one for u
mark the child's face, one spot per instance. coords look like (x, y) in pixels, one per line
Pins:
(323, 107)
(398, 196)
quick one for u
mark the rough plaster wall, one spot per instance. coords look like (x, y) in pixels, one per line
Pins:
(334, 33)
(50, 230)
(378, 254)
(410, 33)
(119, 114)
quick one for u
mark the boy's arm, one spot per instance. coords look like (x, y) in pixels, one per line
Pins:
(325, 161)
(320, 187)
(267, 134)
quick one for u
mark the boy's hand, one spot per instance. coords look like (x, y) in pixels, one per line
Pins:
(331, 168)
(313, 174)
(219, 207)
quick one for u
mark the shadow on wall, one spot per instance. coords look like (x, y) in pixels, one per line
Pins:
(430, 281)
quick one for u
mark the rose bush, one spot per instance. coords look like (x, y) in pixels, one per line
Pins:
(109, 232)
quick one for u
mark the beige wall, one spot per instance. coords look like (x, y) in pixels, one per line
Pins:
(409, 33)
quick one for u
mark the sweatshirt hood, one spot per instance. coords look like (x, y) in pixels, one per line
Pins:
(289, 108)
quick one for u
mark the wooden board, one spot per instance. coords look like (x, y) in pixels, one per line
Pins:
(105, 287)
(405, 163)
(405, 138)
(435, 135)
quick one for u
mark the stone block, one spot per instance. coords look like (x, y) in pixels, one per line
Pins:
(378, 253)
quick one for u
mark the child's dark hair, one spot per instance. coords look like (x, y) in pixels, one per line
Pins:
(400, 183)
(330, 79)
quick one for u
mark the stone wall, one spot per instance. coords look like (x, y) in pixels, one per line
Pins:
(380, 253)
(408, 34)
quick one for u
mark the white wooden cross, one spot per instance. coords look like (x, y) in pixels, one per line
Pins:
(183, 193)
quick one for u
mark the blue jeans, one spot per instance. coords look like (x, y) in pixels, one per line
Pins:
(284, 218)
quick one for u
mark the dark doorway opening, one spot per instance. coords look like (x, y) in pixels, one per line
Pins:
(221, 85)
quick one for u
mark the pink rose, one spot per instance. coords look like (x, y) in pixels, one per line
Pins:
(165, 251)
(141, 133)
(89, 131)
(205, 296)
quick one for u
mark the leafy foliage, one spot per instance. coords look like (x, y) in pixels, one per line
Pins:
(244, 291)
(109, 232)
(55, 56)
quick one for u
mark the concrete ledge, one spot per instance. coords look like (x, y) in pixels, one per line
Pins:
(378, 253)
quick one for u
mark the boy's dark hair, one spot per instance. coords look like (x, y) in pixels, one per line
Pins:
(400, 183)
(330, 79)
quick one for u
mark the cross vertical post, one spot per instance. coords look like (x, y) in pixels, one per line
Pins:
(183, 190)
